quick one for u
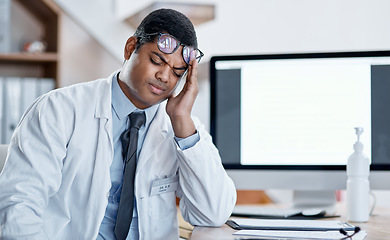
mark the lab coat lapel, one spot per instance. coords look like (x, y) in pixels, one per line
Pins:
(156, 135)
(103, 103)
(103, 107)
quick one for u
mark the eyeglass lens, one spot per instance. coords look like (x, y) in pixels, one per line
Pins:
(167, 44)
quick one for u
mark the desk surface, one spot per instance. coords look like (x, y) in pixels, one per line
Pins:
(377, 228)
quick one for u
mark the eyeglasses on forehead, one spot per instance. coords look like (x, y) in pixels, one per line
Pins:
(168, 44)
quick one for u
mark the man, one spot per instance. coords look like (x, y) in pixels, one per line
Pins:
(65, 171)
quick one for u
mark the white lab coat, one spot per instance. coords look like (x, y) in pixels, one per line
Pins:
(56, 179)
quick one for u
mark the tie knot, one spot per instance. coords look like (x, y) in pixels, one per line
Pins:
(137, 119)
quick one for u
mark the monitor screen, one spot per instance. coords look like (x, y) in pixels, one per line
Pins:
(280, 114)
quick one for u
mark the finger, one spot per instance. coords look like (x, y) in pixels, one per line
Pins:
(192, 69)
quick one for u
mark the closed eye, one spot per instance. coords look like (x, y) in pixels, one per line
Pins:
(177, 75)
(154, 62)
(161, 61)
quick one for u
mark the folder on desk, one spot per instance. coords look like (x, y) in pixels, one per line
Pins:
(291, 225)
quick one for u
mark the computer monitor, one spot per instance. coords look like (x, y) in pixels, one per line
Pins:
(286, 121)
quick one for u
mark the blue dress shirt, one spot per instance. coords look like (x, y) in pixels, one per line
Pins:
(121, 108)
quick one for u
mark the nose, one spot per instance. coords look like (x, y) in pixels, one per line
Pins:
(163, 74)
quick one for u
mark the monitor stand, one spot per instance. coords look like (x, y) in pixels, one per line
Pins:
(324, 200)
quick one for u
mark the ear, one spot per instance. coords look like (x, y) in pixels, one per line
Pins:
(130, 46)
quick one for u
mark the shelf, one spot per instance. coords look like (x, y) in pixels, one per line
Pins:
(44, 65)
(28, 57)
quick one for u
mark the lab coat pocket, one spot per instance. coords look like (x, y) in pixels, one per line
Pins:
(162, 206)
(162, 200)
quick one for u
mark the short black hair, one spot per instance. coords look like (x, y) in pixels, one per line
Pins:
(169, 21)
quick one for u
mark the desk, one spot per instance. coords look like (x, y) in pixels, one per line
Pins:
(377, 228)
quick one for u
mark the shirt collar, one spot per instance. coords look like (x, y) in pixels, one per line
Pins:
(122, 106)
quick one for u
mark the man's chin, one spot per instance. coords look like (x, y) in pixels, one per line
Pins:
(155, 102)
(162, 100)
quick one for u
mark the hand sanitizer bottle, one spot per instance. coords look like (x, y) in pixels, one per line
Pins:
(358, 186)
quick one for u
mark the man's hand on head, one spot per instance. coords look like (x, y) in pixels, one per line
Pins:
(179, 107)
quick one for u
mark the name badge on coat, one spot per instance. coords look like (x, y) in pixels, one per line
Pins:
(164, 185)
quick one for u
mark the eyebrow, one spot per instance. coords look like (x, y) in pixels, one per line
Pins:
(163, 59)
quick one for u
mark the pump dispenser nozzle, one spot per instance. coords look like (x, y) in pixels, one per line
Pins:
(358, 146)
(359, 131)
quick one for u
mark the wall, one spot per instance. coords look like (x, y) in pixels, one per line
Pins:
(81, 57)
(296, 26)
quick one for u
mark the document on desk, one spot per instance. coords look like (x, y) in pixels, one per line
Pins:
(330, 235)
(270, 234)
(293, 225)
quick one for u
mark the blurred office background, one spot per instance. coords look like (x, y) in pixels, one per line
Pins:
(86, 38)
